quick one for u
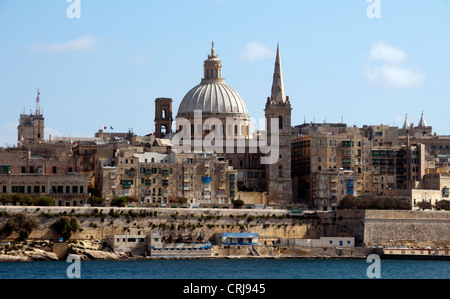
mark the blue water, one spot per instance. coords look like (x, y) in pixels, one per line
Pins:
(228, 269)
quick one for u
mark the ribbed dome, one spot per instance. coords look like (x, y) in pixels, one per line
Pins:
(212, 97)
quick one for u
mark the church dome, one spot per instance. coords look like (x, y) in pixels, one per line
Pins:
(212, 96)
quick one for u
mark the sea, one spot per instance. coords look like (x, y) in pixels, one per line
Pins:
(229, 269)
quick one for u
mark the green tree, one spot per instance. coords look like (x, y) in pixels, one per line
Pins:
(43, 201)
(424, 205)
(21, 223)
(442, 205)
(96, 201)
(181, 200)
(65, 226)
(119, 202)
(238, 203)
(347, 203)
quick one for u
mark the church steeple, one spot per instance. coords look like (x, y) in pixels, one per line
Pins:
(278, 94)
(422, 123)
(212, 67)
(406, 123)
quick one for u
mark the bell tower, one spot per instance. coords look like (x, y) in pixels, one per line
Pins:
(278, 107)
(163, 117)
(31, 126)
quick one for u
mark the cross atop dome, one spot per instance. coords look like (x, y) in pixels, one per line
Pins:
(213, 52)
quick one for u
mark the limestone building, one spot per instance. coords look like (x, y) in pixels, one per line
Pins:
(214, 112)
(31, 126)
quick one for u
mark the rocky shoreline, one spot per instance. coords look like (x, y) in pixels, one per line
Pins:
(91, 251)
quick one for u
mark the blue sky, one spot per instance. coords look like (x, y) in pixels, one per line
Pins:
(107, 67)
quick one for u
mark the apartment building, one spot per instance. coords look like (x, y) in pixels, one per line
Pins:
(161, 179)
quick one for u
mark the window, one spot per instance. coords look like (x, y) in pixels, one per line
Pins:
(54, 169)
(280, 122)
(5, 169)
(74, 189)
(24, 169)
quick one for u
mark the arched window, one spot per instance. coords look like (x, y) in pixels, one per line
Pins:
(280, 172)
(207, 74)
(280, 122)
(163, 114)
(217, 74)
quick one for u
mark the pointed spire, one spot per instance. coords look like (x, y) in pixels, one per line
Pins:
(406, 123)
(278, 94)
(422, 122)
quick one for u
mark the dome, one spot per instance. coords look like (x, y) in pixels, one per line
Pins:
(212, 97)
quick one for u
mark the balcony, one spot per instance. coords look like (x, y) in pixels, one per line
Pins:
(347, 143)
(127, 183)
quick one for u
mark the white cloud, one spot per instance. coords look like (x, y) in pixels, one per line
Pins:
(82, 44)
(394, 76)
(52, 132)
(383, 52)
(254, 51)
(387, 67)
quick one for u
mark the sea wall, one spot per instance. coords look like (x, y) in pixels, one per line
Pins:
(395, 228)
(173, 224)
(407, 228)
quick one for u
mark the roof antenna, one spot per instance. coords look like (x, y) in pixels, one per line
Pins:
(38, 105)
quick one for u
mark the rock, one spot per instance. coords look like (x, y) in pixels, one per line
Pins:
(41, 255)
(13, 258)
(101, 255)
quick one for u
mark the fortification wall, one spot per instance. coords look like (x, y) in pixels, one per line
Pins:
(395, 228)
(405, 228)
(173, 224)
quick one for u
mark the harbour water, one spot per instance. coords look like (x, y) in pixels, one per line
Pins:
(228, 269)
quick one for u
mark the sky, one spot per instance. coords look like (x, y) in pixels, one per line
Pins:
(104, 62)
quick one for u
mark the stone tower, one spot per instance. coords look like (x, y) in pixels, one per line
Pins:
(31, 126)
(163, 117)
(278, 107)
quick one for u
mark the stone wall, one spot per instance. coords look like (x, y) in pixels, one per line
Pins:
(173, 224)
(395, 228)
